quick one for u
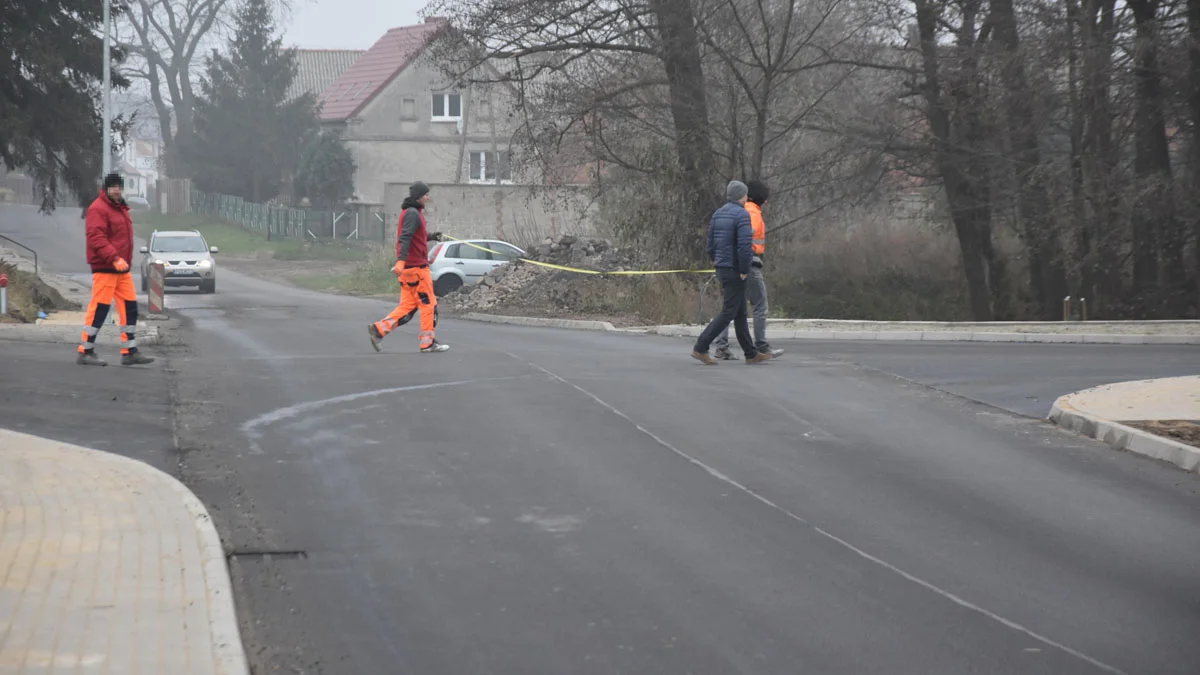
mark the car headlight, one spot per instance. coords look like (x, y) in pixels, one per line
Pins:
(205, 264)
(160, 262)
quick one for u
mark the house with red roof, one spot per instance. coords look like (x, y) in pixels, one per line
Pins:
(403, 122)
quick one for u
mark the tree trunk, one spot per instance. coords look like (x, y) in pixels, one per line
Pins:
(1193, 14)
(1153, 216)
(958, 163)
(689, 107)
(1047, 271)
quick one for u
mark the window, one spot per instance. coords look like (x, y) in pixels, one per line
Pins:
(408, 109)
(178, 244)
(447, 107)
(502, 251)
(485, 165)
(465, 252)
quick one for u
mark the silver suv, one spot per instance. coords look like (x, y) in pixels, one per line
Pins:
(186, 258)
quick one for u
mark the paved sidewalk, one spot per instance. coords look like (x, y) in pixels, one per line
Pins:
(1100, 411)
(107, 565)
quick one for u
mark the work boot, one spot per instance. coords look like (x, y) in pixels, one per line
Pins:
(723, 354)
(89, 358)
(703, 358)
(136, 359)
(758, 358)
(376, 336)
(435, 348)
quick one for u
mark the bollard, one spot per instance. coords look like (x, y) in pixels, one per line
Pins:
(1083, 309)
(3, 294)
(1067, 308)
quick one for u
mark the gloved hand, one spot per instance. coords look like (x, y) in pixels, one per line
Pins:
(435, 236)
(756, 262)
(120, 265)
(398, 268)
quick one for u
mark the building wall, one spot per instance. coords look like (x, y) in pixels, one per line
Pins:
(394, 139)
(510, 212)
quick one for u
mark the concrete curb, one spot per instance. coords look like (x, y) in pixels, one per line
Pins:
(950, 336)
(1122, 437)
(538, 322)
(776, 333)
(69, 335)
(228, 652)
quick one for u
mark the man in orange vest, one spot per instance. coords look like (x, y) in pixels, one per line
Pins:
(109, 248)
(412, 269)
(756, 287)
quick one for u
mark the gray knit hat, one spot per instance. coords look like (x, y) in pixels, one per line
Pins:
(735, 191)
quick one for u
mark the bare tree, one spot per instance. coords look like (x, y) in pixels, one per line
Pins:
(165, 37)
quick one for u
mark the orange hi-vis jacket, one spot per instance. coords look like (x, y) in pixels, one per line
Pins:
(758, 243)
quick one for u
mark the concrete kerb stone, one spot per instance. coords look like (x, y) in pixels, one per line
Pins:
(68, 334)
(782, 332)
(1122, 437)
(228, 651)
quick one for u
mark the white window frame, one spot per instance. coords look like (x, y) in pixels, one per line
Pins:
(444, 115)
(482, 180)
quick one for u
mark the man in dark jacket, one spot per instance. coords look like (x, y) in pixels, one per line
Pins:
(109, 248)
(412, 268)
(730, 247)
(756, 287)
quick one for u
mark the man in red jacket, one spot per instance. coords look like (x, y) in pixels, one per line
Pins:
(109, 249)
(412, 268)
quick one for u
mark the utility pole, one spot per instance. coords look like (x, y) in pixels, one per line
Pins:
(106, 133)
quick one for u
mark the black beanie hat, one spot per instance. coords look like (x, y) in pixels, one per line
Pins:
(113, 180)
(418, 190)
(758, 192)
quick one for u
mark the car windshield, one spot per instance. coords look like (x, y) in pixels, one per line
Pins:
(178, 245)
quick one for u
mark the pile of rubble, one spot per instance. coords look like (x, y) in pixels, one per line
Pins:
(525, 288)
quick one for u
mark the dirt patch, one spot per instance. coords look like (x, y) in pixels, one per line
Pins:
(528, 289)
(1184, 431)
(29, 294)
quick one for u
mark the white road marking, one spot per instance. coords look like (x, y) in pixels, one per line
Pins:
(962, 602)
(252, 428)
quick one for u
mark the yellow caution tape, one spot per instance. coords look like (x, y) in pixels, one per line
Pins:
(578, 270)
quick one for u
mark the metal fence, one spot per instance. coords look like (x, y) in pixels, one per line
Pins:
(270, 220)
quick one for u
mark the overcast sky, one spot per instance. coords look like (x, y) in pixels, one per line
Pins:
(346, 24)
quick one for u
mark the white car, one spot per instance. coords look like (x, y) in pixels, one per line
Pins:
(454, 264)
(186, 258)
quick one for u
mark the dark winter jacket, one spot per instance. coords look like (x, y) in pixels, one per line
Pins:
(730, 238)
(412, 239)
(109, 234)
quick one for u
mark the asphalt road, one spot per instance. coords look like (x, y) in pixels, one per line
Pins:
(542, 501)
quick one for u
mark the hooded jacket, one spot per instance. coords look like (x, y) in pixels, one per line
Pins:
(730, 235)
(412, 238)
(109, 234)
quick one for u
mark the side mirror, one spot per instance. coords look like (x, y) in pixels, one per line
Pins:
(144, 249)
(213, 249)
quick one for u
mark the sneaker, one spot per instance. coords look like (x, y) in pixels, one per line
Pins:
(703, 358)
(758, 358)
(723, 354)
(435, 348)
(89, 358)
(775, 353)
(376, 337)
(136, 359)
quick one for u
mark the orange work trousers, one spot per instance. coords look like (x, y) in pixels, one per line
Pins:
(109, 288)
(416, 293)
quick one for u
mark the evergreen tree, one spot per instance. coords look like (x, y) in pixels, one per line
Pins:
(327, 169)
(50, 92)
(248, 135)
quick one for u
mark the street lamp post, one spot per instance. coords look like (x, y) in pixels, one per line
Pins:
(106, 148)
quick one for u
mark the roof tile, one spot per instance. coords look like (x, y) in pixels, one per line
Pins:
(362, 81)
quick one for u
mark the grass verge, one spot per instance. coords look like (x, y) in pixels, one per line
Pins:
(233, 240)
(372, 276)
